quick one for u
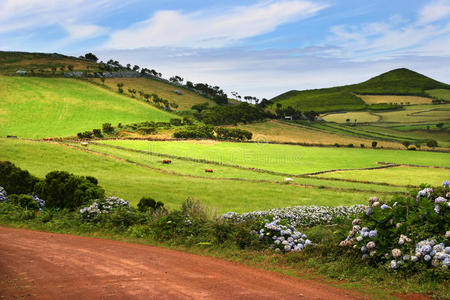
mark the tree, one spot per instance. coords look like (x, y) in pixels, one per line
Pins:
(15, 180)
(406, 144)
(440, 125)
(120, 87)
(136, 68)
(107, 128)
(102, 79)
(432, 143)
(91, 57)
(70, 67)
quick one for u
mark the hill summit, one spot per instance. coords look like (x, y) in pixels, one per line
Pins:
(395, 82)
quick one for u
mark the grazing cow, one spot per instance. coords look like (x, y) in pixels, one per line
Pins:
(84, 144)
(287, 179)
(166, 161)
(208, 170)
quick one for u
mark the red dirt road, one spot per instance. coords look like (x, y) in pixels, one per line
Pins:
(40, 265)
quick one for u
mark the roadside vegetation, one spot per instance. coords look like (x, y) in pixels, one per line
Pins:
(400, 245)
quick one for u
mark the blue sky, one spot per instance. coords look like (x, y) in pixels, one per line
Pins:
(255, 47)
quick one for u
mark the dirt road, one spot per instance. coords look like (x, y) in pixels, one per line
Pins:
(41, 265)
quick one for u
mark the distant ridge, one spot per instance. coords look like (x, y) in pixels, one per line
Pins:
(396, 82)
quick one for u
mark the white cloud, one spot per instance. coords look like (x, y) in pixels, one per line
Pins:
(76, 18)
(396, 36)
(211, 28)
(267, 73)
(434, 11)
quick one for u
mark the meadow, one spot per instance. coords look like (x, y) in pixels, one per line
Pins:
(160, 88)
(290, 159)
(361, 117)
(442, 94)
(48, 107)
(394, 99)
(131, 181)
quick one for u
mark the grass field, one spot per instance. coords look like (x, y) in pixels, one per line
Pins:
(162, 89)
(133, 182)
(192, 168)
(287, 158)
(443, 94)
(284, 132)
(398, 175)
(394, 99)
(48, 107)
(360, 117)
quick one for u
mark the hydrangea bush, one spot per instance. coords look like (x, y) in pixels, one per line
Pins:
(405, 233)
(102, 206)
(282, 236)
(302, 215)
(3, 195)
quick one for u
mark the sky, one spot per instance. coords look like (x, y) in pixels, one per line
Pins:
(260, 48)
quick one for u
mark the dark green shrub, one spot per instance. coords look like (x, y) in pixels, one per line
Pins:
(432, 143)
(175, 122)
(107, 128)
(85, 135)
(374, 144)
(24, 201)
(147, 130)
(97, 133)
(15, 180)
(147, 203)
(363, 146)
(64, 190)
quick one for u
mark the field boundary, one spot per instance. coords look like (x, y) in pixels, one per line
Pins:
(226, 179)
(250, 169)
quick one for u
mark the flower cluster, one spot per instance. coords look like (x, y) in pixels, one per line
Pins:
(394, 232)
(301, 215)
(3, 195)
(283, 237)
(104, 206)
(39, 201)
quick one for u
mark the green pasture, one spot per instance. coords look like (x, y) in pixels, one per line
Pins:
(132, 182)
(51, 107)
(286, 158)
(442, 94)
(397, 175)
(191, 168)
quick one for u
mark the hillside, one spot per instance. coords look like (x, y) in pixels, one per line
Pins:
(38, 107)
(395, 82)
(42, 63)
(164, 90)
(55, 65)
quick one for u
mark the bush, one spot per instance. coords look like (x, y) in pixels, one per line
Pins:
(85, 135)
(374, 144)
(208, 132)
(147, 130)
(107, 128)
(64, 190)
(147, 203)
(232, 134)
(24, 201)
(175, 122)
(363, 146)
(195, 132)
(432, 143)
(97, 133)
(406, 232)
(15, 180)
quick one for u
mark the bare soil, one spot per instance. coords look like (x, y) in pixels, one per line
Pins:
(40, 265)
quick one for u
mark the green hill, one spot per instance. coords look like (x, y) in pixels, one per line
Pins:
(395, 82)
(55, 65)
(36, 107)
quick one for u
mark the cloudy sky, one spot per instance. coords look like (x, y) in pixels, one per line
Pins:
(256, 47)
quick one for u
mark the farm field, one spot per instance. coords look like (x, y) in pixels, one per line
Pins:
(286, 158)
(49, 107)
(162, 89)
(191, 168)
(403, 175)
(443, 94)
(132, 182)
(394, 99)
(360, 117)
(284, 132)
